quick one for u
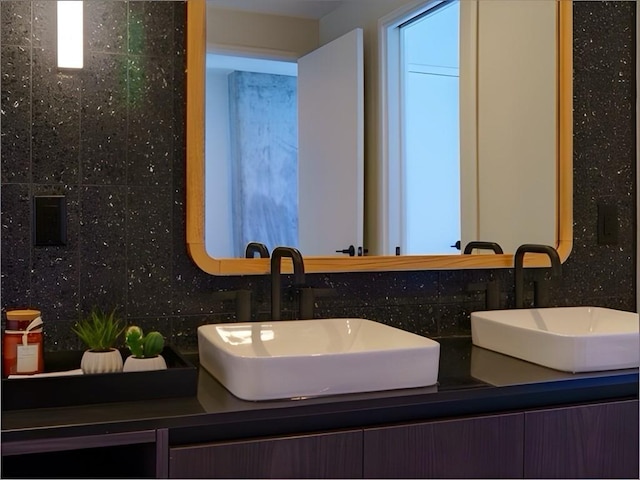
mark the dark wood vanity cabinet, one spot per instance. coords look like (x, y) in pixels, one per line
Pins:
(580, 441)
(140, 454)
(322, 455)
(489, 447)
(596, 440)
(589, 441)
(481, 447)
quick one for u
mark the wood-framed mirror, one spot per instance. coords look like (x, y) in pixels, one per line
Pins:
(195, 134)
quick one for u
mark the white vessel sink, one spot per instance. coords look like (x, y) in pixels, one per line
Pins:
(304, 358)
(571, 339)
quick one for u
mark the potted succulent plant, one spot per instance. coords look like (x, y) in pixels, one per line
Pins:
(145, 350)
(100, 332)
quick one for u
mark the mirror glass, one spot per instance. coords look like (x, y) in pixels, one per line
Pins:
(482, 137)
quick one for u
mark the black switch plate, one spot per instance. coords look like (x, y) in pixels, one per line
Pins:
(49, 220)
(607, 225)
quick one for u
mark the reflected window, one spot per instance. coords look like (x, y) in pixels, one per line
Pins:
(429, 207)
(422, 190)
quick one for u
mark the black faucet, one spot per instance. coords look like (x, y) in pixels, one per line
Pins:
(256, 247)
(491, 289)
(540, 295)
(306, 296)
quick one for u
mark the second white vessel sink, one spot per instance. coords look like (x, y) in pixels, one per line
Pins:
(303, 358)
(571, 339)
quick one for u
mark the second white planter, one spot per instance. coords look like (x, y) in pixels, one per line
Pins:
(134, 364)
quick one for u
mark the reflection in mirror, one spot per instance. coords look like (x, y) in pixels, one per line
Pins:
(486, 168)
(429, 51)
(379, 176)
(280, 135)
(251, 154)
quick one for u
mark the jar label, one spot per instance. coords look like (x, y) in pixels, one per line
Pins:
(27, 358)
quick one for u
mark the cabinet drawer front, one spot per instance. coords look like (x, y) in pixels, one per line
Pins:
(485, 447)
(326, 455)
(591, 441)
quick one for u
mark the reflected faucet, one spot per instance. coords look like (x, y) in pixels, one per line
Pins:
(298, 276)
(256, 247)
(497, 249)
(540, 295)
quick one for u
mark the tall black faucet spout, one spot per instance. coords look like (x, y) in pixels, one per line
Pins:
(556, 267)
(276, 285)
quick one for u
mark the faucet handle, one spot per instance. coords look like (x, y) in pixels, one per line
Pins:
(306, 302)
(491, 290)
(242, 299)
(308, 296)
(324, 292)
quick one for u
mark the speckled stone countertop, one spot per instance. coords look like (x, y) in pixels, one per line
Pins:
(471, 381)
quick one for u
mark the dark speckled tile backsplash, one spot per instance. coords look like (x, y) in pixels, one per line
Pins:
(111, 138)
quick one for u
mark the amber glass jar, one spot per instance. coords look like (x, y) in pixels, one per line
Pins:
(22, 349)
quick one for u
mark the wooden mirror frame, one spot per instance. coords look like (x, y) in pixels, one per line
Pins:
(195, 134)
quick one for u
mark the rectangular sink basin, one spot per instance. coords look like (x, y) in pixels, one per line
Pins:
(570, 339)
(307, 358)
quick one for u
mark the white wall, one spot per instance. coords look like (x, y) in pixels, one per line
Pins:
(218, 225)
(270, 35)
(517, 126)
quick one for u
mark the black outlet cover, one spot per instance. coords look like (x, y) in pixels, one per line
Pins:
(49, 220)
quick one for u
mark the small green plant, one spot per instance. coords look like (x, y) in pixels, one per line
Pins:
(143, 346)
(100, 330)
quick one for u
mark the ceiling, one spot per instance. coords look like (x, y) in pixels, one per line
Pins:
(313, 9)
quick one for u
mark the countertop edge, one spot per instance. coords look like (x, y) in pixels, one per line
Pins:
(347, 411)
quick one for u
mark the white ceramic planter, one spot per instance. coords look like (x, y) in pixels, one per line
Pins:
(133, 364)
(101, 362)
